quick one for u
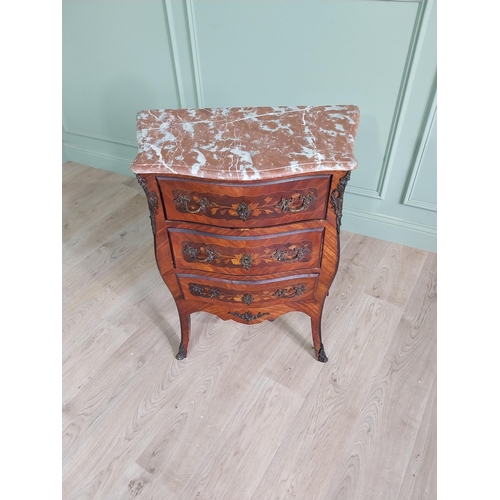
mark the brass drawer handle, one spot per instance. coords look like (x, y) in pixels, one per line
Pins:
(192, 253)
(184, 200)
(200, 291)
(280, 255)
(296, 290)
(248, 316)
(286, 203)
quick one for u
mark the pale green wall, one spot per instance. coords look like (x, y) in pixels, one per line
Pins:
(123, 56)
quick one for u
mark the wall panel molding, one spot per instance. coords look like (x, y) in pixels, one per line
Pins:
(361, 191)
(419, 155)
(195, 56)
(170, 25)
(421, 20)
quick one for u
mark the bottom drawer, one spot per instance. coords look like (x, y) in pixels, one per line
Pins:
(246, 292)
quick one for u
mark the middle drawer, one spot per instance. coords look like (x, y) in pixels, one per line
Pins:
(247, 255)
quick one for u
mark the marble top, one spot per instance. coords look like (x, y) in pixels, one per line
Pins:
(246, 143)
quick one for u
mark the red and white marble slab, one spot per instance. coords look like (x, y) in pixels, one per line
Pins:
(246, 143)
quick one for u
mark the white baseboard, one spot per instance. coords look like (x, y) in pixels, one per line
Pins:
(92, 158)
(384, 227)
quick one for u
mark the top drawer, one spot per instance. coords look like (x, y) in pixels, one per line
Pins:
(245, 204)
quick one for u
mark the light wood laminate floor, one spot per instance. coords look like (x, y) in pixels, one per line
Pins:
(249, 414)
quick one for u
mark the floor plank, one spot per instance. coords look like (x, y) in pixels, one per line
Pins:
(103, 200)
(87, 238)
(203, 410)
(100, 283)
(420, 481)
(80, 184)
(241, 456)
(375, 456)
(302, 467)
(88, 353)
(137, 483)
(396, 274)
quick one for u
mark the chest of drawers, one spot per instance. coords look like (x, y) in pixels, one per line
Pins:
(245, 207)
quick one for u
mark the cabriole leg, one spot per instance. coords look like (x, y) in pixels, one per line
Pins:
(185, 330)
(316, 335)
